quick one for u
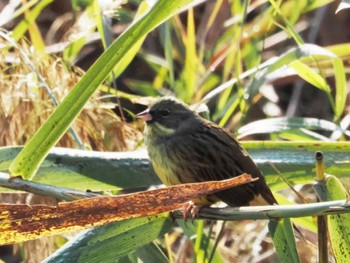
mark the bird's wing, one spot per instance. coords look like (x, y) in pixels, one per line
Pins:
(212, 153)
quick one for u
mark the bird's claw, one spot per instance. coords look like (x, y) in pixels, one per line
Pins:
(190, 210)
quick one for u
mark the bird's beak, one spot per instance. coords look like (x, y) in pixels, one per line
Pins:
(145, 116)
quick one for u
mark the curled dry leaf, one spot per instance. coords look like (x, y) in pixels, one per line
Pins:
(22, 222)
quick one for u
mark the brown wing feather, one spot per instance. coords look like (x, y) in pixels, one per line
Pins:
(214, 154)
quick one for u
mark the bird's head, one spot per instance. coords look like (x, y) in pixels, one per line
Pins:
(169, 116)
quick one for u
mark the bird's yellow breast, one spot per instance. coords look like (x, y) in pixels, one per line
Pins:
(165, 175)
(168, 171)
(169, 178)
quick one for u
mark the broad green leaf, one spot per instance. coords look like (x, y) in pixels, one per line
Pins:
(338, 224)
(29, 160)
(283, 240)
(110, 242)
(98, 171)
(83, 170)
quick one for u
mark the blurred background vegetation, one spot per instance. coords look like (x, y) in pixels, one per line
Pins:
(271, 70)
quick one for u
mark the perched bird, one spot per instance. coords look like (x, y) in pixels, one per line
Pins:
(185, 148)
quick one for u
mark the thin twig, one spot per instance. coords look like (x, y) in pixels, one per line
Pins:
(62, 193)
(272, 212)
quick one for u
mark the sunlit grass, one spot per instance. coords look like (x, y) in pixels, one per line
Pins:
(230, 55)
(26, 105)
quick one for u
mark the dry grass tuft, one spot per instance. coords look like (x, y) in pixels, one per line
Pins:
(25, 104)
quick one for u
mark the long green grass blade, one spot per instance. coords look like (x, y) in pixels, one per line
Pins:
(23, 26)
(29, 160)
(191, 61)
(166, 40)
(283, 240)
(309, 75)
(289, 27)
(131, 53)
(106, 35)
(204, 246)
(199, 245)
(340, 50)
(340, 87)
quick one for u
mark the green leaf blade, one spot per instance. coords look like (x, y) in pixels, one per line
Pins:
(113, 241)
(338, 224)
(283, 240)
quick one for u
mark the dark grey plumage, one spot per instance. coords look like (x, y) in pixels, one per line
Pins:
(184, 148)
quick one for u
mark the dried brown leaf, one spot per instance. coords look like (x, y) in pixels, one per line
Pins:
(23, 222)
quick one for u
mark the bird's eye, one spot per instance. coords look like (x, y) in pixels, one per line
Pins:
(164, 112)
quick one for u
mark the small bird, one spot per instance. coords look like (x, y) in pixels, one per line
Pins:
(185, 148)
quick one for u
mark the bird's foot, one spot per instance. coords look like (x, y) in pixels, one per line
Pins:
(190, 210)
